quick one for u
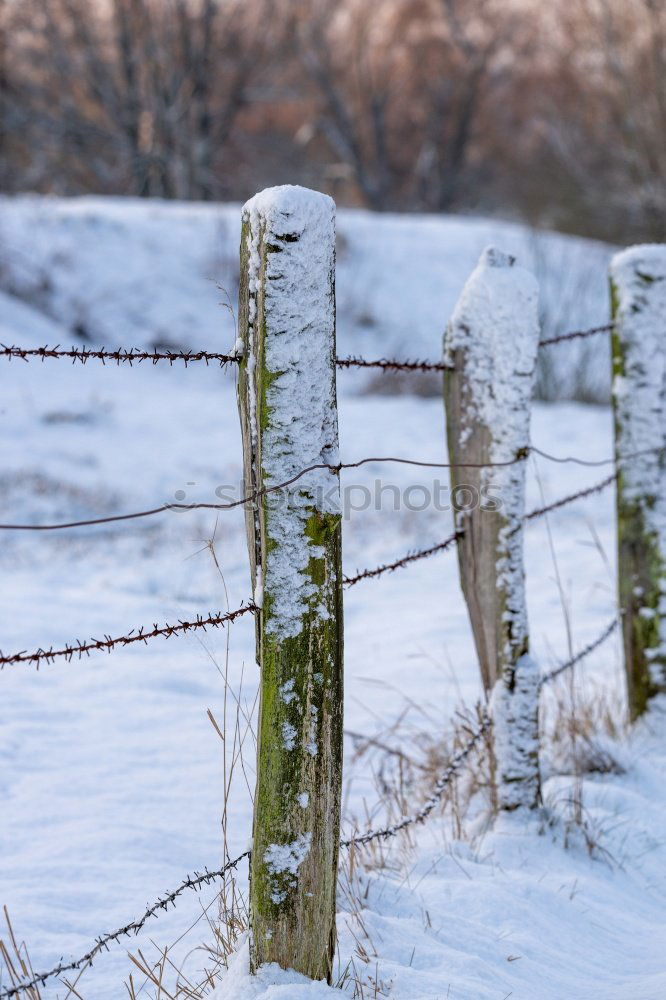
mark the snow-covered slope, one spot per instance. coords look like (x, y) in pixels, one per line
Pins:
(110, 769)
(123, 272)
(515, 914)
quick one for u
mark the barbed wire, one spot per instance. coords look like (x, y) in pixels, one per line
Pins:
(441, 785)
(579, 495)
(136, 355)
(394, 365)
(563, 501)
(369, 574)
(141, 634)
(382, 833)
(457, 761)
(195, 882)
(199, 880)
(577, 334)
(410, 557)
(607, 632)
(130, 355)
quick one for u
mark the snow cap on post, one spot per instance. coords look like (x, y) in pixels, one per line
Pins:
(491, 345)
(638, 288)
(288, 409)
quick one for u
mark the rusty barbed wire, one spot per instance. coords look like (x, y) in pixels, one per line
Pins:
(457, 761)
(580, 495)
(383, 833)
(563, 501)
(410, 557)
(199, 880)
(196, 882)
(577, 334)
(394, 365)
(81, 649)
(569, 664)
(369, 574)
(132, 355)
(119, 356)
(141, 635)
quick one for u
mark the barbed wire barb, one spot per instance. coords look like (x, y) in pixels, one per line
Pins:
(118, 356)
(81, 649)
(410, 557)
(585, 651)
(130, 355)
(195, 882)
(382, 833)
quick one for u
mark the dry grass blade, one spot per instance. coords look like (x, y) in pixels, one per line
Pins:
(15, 959)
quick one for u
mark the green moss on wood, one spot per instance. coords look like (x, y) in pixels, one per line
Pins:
(641, 569)
(301, 695)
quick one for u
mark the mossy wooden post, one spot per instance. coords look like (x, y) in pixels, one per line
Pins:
(638, 292)
(491, 343)
(287, 400)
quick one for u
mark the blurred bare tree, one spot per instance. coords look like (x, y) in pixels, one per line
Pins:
(556, 113)
(593, 120)
(136, 95)
(403, 88)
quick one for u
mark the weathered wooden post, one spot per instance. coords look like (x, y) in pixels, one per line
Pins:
(288, 408)
(492, 342)
(638, 291)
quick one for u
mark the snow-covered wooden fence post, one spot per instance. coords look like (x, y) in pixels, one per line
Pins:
(638, 289)
(492, 342)
(288, 408)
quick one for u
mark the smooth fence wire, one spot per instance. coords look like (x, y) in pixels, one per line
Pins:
(134, 356)
(522, 455)
(144, 633)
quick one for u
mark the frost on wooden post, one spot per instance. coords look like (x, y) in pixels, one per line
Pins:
(638, 286)
(287, 401)
(492, 342)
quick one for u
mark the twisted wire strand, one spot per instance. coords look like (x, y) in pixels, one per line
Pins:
(129, 355)
(257, 494)
(140, 634)
(359, 840)
(410, 557)
(577, 334)
(569, 664)
(135, 355)
(456, 763)
(196, 882)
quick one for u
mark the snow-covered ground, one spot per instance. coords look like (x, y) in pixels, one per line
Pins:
(111, 771)
(124, 272)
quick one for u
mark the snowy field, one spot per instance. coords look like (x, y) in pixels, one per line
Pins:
(111, 771)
